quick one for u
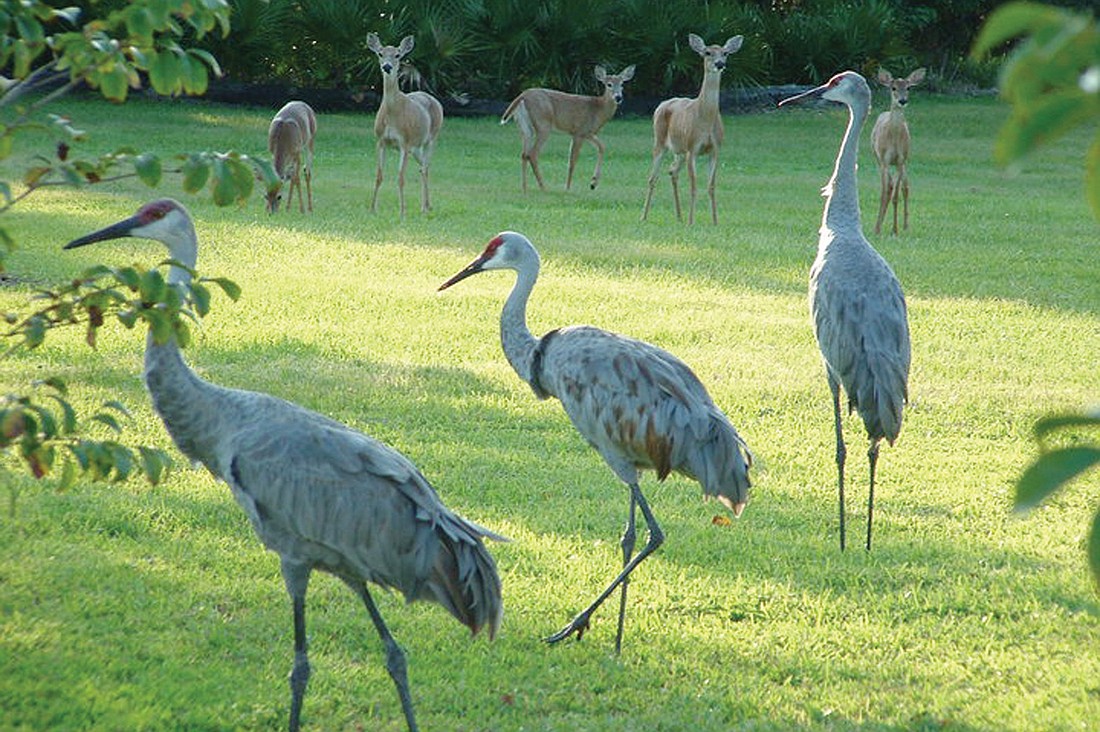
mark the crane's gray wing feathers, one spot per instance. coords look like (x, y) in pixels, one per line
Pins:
(346, 503)
(861, 325)
(641, 407)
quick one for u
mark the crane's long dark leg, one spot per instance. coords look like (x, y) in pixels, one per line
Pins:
(840, 454)
(296, 577)
(579, 624)
(872, 457)
(627, 543)
(395, 657)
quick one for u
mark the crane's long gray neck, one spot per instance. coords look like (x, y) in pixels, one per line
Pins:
(186, 403)
(515, 337)
(842, 192)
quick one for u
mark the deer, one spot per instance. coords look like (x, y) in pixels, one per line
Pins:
(289, 140)
(410, 122)
(539, 111)
(689, 127)
(890, 141)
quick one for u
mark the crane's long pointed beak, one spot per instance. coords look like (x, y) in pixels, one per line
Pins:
(812, 93)
(471, 269)
(114, 231)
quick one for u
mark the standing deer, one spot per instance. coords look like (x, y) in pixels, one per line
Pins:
(890, 140)
(410, 122)
(692, 127)
(289, 139)
(539, 111)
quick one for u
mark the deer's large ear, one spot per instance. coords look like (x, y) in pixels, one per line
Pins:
(733, 44)
(916, 77)
(407, 44)
(601, 73)
(697, 44)
(373, 43)
(885, 77)
(627, 73)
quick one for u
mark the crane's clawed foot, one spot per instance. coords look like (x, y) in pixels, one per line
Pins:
(578, 625)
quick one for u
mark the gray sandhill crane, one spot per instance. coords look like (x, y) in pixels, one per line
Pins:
(320, 494)
(856, 302)
(639, 406)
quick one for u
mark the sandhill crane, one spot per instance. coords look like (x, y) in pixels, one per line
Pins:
(638, 405)
(856, 302)
(320, 494)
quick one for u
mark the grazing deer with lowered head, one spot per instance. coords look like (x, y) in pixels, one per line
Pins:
(539, 111)
(290, 142)
(692, 127)
(890, 141)
(410, 122)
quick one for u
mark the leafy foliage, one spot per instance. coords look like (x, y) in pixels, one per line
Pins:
(33, 431)
(48, 52)
(1057, 466)
(1051, 79)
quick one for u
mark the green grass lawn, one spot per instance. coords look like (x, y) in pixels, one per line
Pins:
(126, 607)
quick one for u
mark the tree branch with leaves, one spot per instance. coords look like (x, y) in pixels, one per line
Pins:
(1052, 80)
(50, 51)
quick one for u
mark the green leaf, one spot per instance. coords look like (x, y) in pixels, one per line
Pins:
(68, 476)
(194, 76)
(34, 332)
(29, 29)
(196, 171)
(68, 419)
(152, 287)
(56, 383)
(243, 178)
(118, 407)
(35, 174)
(70, 14)
(159, 325)
(225, 189)
(154, 463)
(183, 333)
(201, 297)
(148, 169)
(109, 420)
(46, 421)
(208, 59)
(1008, 21)
(1050, 472)
(128, 318)
(229, 287)
(1041, 121)
(164, 73)
(139, 23)
(114, 83)
(123, 462)
(128, 277)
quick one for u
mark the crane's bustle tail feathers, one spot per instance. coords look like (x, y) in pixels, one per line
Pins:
(721, 465)
(464, 579)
